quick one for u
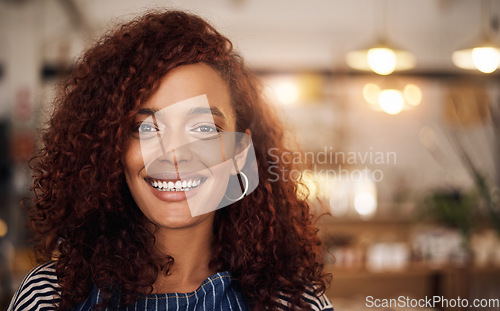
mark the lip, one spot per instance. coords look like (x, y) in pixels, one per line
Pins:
(176, 176)
(174, 196)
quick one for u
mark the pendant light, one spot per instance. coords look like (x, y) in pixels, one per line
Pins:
(392, 98)
(483, 56)
(381, 57)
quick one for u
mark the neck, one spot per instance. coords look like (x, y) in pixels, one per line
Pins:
(191, 248)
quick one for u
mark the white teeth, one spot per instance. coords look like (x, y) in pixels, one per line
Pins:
(184, 185)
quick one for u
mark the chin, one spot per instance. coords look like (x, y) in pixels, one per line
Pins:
(179, 221)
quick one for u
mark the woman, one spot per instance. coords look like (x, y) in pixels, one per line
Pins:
(123, 223)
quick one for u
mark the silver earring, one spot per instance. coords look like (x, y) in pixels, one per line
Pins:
(245, 178)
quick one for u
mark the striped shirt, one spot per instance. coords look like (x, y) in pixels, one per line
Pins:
(39, 291)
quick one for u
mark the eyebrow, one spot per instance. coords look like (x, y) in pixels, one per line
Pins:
(193, 111)
(205, 110)
(147, 111)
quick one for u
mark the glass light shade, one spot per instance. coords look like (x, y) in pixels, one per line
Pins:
(287, 92)
(365, 203)
(484, 57)
(365, 196)
(370, 93)
(412, 94)
(381, 59)
(391, 101)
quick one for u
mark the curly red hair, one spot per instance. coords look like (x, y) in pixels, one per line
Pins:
(84, 214)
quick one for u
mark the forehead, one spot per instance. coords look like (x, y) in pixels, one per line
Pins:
(189, 81)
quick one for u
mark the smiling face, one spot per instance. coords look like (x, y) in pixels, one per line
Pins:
(174, 160)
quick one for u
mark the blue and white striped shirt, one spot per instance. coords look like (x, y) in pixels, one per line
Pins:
(39, 291)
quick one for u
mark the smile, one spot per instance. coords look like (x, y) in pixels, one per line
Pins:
(175, 185)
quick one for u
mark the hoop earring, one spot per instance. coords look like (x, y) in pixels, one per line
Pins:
(244, 192)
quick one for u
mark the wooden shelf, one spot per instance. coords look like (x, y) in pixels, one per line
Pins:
(364, 273)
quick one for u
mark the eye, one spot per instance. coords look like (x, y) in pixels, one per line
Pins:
(146, 128)
(206, 129)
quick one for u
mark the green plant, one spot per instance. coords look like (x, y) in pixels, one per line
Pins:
(452, 208)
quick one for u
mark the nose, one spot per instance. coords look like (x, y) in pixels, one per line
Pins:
(175, 148)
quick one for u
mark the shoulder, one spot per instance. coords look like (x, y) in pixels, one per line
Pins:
(39, 289)
(317, 303)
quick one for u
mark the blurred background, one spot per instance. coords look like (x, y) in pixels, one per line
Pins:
(395, 104)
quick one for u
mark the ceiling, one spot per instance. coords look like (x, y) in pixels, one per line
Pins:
(297, 34)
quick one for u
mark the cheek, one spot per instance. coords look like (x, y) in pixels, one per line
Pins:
(132, 160)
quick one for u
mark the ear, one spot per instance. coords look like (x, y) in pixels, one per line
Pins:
(240, 158)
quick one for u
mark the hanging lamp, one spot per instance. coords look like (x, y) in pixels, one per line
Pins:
(485, 54)
(381, 57)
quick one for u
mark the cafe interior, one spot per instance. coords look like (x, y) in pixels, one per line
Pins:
(392, 110)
